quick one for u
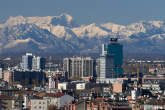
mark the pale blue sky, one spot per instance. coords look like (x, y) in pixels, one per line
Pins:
(88, 11)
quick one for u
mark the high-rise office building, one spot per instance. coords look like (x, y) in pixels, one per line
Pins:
(38, 63)
(109, 64)
(26, 63)
(97, 67)
(30, 62)
(79, 66)
(106, 67)
(105, 64)
(115, 49)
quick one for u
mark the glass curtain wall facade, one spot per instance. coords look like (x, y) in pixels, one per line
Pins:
(116, 50)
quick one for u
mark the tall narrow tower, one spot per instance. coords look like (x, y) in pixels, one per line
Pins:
(51, 83)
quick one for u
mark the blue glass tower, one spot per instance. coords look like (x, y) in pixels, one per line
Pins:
(113, 48)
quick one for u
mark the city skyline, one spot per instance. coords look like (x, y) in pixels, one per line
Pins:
(82, 55)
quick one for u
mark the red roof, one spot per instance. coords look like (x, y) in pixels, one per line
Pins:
(4, 97)
(57, 95)
(154, 78)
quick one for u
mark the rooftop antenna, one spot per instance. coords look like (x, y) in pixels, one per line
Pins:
(113, 40)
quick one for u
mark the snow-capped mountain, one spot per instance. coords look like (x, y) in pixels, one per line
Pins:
(91, 30)
(61, 34)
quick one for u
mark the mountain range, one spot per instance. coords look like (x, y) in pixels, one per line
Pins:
(63, 35)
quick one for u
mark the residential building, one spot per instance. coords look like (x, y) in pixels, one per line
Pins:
(51, 84)
(153, 79)
(79, 67)
(80, 86)
(10, 103)
(118, 87)
(9, 76)
(25, 101)
(59, 100)
(26, 77)
(63, 86)
(153, 87)
(38, 104)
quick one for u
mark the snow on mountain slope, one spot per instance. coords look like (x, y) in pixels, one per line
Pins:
(157, 36)
(90, 31)
(113, 27)
(32, 37)
(16, 42)
(63, 19)
(143, 27)
(49, 23)
(62, 34)
(58, 25)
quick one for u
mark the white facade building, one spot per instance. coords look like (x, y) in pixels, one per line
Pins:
(63, 86)
(59, 101)
(51, 83)
(154, 107)
(38, 104)
(105, 69)
(154, 87)
(134, 94)
(36, 63)
(80, 86)
(26, 102)
(26, 63)
(30, 62)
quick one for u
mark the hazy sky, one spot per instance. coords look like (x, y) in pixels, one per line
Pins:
(88, 11)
